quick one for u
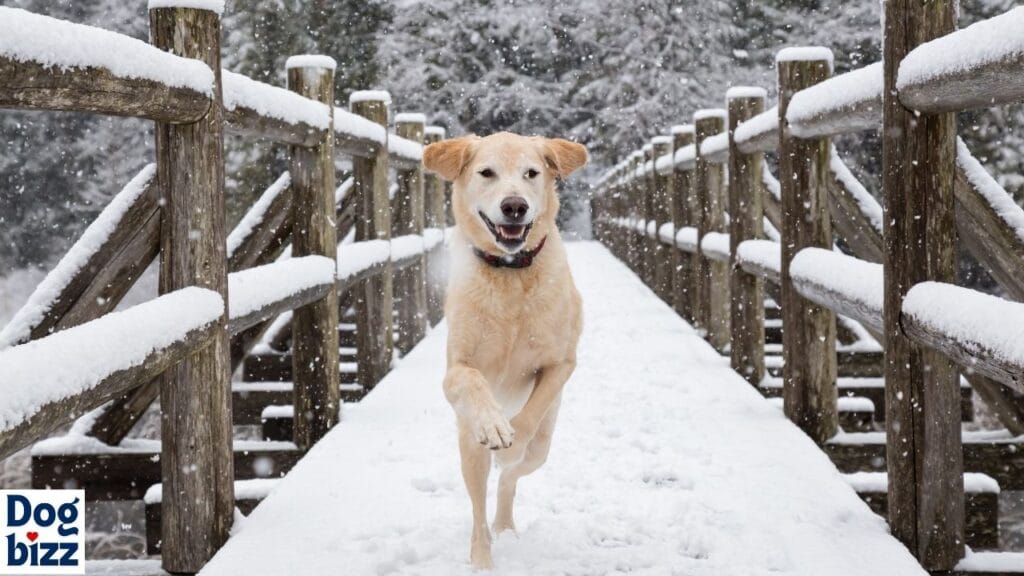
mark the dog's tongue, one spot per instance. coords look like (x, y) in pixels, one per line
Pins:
(511, 231)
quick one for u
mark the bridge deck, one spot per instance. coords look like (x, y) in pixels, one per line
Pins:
(664, 462)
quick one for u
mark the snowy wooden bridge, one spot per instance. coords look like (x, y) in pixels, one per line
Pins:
(670, 459)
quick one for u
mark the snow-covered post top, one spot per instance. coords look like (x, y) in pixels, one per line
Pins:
(411, 126)
(215, 6)
(433, 185)
(662, 202)
(707, 122)
(314, 337)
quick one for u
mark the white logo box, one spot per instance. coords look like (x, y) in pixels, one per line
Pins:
(42, 532)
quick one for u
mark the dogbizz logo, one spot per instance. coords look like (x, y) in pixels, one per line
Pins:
(43, 531)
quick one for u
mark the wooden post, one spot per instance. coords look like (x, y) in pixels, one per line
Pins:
(635, 209)
(410, 217)
(713, 277)
(746, 217)
(315, 326)
(661, 212)
(809, 334)
(196, 456)
(433, 190)
(645, 190)
(925, 459)
(373, 301)
(684, 264)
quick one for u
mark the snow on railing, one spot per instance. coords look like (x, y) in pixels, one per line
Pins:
(994, 194)
(54, 43)
(256, 213)
(405, 148)
(761, 257)
(845, 103)
(273, 102)
(46, 294)
(760, 133)
(716, 147)
(685, 157)
(92, 352)
(843, 283)
(869, 207)
(715, 245)
(359, 257)
(261, 287)
(686, 239)
(355, 126)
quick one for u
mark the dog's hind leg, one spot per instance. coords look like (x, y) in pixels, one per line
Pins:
(476, 464)
(533, 457)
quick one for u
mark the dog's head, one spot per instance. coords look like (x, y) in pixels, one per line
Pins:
(503, 193)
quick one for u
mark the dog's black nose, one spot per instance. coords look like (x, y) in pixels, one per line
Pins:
(514, 208)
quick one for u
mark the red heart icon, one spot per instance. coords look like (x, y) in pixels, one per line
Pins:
(32, 536)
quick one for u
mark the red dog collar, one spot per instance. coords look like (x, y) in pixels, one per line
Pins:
(521, 259)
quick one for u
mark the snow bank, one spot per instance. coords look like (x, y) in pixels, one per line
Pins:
(763, 123)
(72, 361)
(370, 96)
(804, 53)
(745, 92)
(869, 207)
(843, 92)
(358, 256)
(715, 244)
(28, 37)
(996, 196)
(857, 280)
(985, 325)
(716, 144)
(257, 213)
(310, 61)
(985, 42)
(349, 124)
(273, 102)
(211, 5)
(405, 148)
(257, 287)
(762, 253)
(45, 295)
(708, 478)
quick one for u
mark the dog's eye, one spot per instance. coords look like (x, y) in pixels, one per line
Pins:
(531, 173)
(487, 173)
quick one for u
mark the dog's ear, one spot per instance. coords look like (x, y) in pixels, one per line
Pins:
(448, 158)
(563, 156)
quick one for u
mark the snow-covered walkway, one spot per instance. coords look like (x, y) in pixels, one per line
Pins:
(664, 462)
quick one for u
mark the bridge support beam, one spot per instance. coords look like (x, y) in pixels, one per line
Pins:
(925, 460)
(809, 330)
(195, 399)
(746, 217)
(314, 232)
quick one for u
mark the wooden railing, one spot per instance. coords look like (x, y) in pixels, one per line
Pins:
(898, 280)
(67, 353)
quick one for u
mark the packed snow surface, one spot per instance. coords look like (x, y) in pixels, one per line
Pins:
(982, 43)
(28, 37)
(273, 102)
(257, 287)
(95, 236)
(310, 61)
(986, 325)
(72, 361)
(211, 5)
(691, 472)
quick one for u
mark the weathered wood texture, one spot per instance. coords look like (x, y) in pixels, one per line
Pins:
(849, 219)
(314, 326)
(647, 193)
(410, 218)
(746, 222)
(925, 462)
(35, 86)
(772, 197)
(55, 415)
(244, 121)
(809, 339)
(661, 210)
(713, 276)
(684, 263)
(195, 398)
(433, 192)
(373, 302)
(992, 84)
(268, 237)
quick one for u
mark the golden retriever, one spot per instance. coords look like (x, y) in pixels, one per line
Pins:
(514, 314)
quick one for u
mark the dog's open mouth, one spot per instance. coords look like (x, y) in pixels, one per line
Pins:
(508, 236)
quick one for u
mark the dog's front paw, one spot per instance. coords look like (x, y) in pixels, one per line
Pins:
(492, 429)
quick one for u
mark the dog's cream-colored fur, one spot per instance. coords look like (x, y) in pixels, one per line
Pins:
(512, 332)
